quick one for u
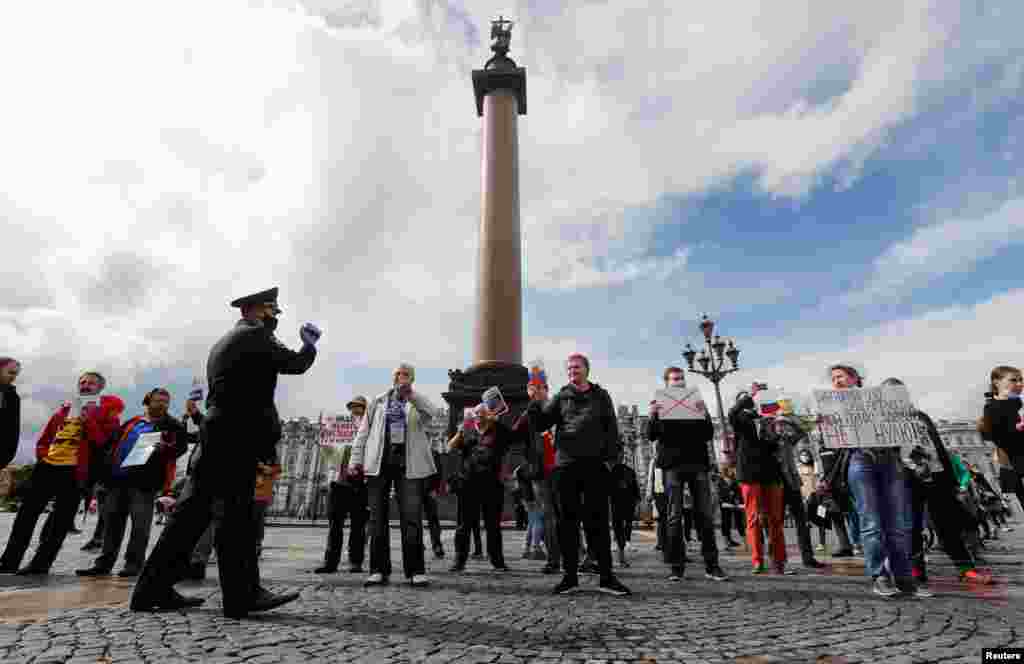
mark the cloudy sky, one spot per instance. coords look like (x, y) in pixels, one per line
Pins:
(831, 182)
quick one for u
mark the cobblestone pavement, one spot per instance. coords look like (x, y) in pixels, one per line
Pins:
(486, 616)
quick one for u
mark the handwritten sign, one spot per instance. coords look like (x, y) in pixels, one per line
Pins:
(684, 403)
(868, 417)
(338, 431)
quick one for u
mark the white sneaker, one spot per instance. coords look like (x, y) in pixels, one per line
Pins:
(375, 579)
(420, 580)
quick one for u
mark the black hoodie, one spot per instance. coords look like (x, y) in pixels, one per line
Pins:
(587, 427)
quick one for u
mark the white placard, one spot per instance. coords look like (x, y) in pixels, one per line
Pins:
(143, 449)
(685, 403)
(868, 417)
(79, 403)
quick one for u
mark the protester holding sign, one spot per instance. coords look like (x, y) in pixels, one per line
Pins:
(872, 424)
(681, 425)
(70, 439)
(141, 463)
(482, 489)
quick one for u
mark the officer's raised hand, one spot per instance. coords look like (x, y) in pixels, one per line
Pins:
(310, 334)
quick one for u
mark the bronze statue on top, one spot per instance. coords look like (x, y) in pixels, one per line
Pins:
(501, 37)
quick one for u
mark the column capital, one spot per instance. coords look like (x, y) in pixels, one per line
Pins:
(486, 81)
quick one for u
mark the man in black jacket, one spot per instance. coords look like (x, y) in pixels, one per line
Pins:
(132, 487)
(683, 455)
(10, 410)
(586, 446)
(240, 430)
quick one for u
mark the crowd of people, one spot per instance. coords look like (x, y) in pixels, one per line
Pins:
(888, 504)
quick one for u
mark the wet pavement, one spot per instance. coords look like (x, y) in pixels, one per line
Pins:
(487, 616)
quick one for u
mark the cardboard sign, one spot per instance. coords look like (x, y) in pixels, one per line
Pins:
(868, 417)
(680, 403)
(494, 401)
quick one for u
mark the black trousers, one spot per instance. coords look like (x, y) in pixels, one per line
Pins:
(433, 521)
(623, 511)
(347, 502)
(661, 523)
(582, 488)
(409, 494)
(481, 493)
(943, 513)
(700, 490)
(794, 500)
(224, 478)
(730, 518)
(48, 482)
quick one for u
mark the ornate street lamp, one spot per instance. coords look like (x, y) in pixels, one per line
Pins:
(711, 359)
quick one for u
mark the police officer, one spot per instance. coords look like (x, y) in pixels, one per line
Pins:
(241, 430)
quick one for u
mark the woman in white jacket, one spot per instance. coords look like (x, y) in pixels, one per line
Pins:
(392, 450)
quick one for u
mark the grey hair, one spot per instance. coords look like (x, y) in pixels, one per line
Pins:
(407, 367)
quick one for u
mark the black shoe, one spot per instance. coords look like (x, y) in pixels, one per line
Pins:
(170, 601)
(266, 601)
(678, 574)
(8, 569)
(355, 569)
(326, 569)
(129, 571)
(843, 554)
(457, 567)
(32, 570)
(439, 552)
(501, 567)
(551, 569)
(93, 571)
(92, 545)
(567, 586)
(732, 544)
(478, 555)
(715, 573)
(813, 564)
(613, 586)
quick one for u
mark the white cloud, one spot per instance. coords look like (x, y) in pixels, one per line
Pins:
(947, 247)
(158, 162)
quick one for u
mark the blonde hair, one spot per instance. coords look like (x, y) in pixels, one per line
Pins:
(409, 368)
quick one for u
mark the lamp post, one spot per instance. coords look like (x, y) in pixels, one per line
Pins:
(712, 366)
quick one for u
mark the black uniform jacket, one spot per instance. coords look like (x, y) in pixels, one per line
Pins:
(242, 375)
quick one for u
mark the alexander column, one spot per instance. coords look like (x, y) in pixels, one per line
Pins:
(500, 89)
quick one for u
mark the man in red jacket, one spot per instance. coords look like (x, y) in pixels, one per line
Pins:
(74, 433)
